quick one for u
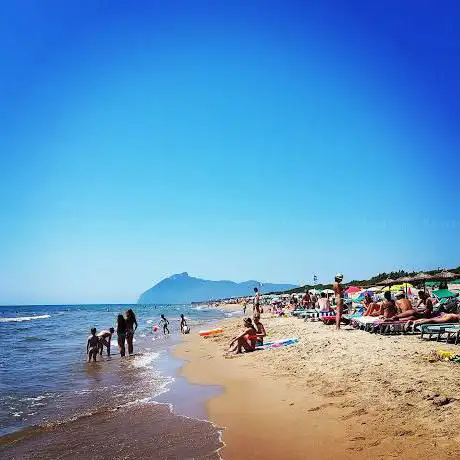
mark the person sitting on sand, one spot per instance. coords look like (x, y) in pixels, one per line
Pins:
(388, 307)
(260, 331)
(92, 347)
(105, 337)
(372, 308)
(245, 341)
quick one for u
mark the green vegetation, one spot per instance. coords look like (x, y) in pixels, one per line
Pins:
(366, 283)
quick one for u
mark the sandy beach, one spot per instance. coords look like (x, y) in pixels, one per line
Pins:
(345, 394)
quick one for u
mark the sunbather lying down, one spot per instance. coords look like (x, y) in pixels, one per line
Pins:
(442, 319)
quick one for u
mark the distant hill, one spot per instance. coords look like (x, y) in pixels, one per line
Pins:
(182, 288)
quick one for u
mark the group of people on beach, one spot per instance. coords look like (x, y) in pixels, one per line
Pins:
(126, 327)
(254, 332)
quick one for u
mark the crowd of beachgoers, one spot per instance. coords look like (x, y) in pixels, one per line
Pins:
(390, 308)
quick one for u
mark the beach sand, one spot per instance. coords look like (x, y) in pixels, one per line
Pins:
(336, 394)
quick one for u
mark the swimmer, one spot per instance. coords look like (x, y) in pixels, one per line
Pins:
(92, 346)
(105, 338)
(165, 324)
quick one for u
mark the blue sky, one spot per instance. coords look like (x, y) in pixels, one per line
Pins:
(233, 140)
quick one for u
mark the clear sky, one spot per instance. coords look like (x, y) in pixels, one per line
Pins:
(230, 139)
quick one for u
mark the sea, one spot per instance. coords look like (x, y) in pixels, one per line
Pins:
(46, 385)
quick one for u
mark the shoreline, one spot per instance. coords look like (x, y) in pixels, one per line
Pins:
(341, 395)
(170, 424)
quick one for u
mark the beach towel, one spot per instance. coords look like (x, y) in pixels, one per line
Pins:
(278, 343)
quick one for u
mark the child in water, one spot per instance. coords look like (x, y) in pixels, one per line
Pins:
(92, 347)
(165, 324)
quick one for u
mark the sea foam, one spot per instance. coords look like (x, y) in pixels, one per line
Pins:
(20, 319)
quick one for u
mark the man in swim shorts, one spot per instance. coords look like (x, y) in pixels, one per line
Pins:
(105, 338)
(256, 307)
(338, 292)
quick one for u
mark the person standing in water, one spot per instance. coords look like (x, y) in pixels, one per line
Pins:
(121, 334)
(131, 326)
(105, 337)
(183, 324)
(92, 347)
(165, 324)
(338, 291)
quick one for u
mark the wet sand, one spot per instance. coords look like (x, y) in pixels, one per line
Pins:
(135, 432)
(341, 395)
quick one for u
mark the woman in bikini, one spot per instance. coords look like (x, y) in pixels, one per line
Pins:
(247, 340)
(372, 308)
(260, 329)
(131, 326)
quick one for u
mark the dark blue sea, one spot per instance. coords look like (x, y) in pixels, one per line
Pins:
(44, 376)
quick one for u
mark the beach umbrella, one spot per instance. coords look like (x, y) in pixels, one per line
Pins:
(328, 291)
(422, 277)
(444, 294)
(405, 279)
(444, 275)
(352, 290)
(387, 282)
(314, 291)
(374, 289)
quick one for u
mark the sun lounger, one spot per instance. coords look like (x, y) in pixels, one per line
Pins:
(453, 333)
(438, 330)
(364, 322)
(390, 327)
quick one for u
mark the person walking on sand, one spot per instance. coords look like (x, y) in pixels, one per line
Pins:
(121, 334)
(92, 346)
(256, 307)
(338, 292)
(165, 324)
(131, 326)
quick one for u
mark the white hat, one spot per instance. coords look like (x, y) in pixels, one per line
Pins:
(339, 276)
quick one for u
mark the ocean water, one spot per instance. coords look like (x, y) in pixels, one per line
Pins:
(44, 377)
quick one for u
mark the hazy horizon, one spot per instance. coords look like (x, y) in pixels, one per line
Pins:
(233, 140)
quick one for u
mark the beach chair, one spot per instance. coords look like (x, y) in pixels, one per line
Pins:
(364, 323)
(298, 312)
(311, 315)
(453, 333)
(390, 327)
(438, 330)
